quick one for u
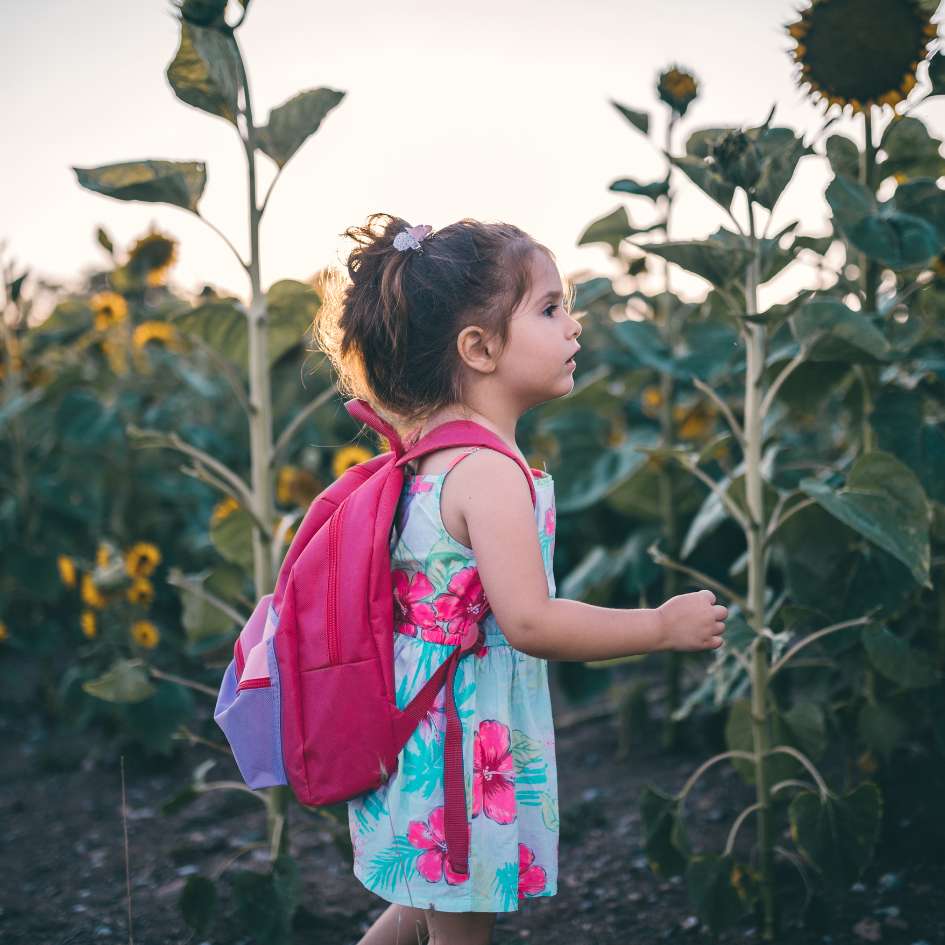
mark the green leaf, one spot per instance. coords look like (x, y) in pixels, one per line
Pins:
(205, 71)
(895, 659)
(880, 728)
(292, 122)
(232, 536)
(652, 190)
(197, 902)
(664, 836)
(612, 229)
(644, 344)
(923, 198)
(898, 240)
(179, 183)
(640, 120)
(709, 880)
(834, 332)
(153, 722)
(222, 324)
(806, 722)
(910, 150)
(126, 681)
(717, 259)
(781, 150)
(884, 502)
(597, 476)
(706, 178)
(843, 155)
(837, 834)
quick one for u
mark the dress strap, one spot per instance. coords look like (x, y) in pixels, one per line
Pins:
(462, 456)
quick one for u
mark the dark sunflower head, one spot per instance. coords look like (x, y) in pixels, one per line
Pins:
(861, 52)
(151, 257)
(677, 88)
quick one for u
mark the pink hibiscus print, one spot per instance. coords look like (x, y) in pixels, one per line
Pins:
(431, 837)
(531, 879)
(464, 603)
(493, 773)
(550, 520)
(409, 611)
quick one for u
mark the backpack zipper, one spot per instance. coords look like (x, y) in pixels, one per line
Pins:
(333, 526)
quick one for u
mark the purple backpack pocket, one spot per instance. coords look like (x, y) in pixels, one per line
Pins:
(249, 706)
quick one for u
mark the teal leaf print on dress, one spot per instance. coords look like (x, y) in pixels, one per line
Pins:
(505, 885)
(393, 864)
(423, 769)
(372, 805)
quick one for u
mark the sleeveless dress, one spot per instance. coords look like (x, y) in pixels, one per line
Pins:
(504, 704)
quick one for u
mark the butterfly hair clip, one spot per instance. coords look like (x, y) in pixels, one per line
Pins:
(412, 237)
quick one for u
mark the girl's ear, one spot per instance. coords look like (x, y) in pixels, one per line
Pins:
(476, 350)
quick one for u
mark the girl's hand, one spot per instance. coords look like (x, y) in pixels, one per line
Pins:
(693, 621)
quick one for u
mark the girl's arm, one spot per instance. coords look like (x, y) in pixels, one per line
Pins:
(500, 520)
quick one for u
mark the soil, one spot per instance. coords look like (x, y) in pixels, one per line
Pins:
(64, 874)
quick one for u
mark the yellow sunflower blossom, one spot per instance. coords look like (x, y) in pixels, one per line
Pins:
(102, 555)
(66, 570)
(347, 457)
(141, 591)
(145, 634)
(695, 423)
(151, 257)
(844, 53)
(91, 595)
(88, 623)
(4, 633)
(142, 558)
(223, 508)
(651, 398)
(109, 308)
(296, 486)
(154, 331)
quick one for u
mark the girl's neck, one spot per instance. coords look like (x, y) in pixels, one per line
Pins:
(459, 413)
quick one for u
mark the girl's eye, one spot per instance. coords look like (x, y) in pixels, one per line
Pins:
(550, 308)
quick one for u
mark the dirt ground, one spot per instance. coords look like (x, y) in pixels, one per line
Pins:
(64, 871)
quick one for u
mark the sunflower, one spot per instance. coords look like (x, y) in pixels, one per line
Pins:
(88, 624)
(349, 456)
(116, 354)
(677, 89)
(651, 398)
(145, 634)
(141, 559)
(141, 591)
(4, 633)
(296, 486)
(151, 257)
(109, 308)
(695, 422)
(861, 52)
(91, 595)
(66, 570)
(102, 555)
(154, 331)
(223, 508)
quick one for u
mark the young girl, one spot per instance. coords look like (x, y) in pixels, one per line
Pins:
(471, 322)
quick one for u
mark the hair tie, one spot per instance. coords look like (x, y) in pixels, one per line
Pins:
(412, 237)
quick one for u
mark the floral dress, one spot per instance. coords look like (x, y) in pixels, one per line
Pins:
(502, 698)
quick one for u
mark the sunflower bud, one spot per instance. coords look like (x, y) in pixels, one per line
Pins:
(203, 12)
(737, 159)
(677, 89)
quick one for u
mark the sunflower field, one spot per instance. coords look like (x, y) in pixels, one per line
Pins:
(160, 450)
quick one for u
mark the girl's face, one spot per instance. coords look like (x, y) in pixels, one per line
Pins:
(534, 365)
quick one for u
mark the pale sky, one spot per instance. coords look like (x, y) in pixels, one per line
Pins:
(497, 110)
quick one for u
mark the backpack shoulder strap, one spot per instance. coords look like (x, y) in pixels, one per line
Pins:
(465, 433)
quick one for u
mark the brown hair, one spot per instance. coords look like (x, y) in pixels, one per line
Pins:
(390, 329)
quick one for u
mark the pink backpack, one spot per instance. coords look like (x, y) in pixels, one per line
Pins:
(308, 699)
